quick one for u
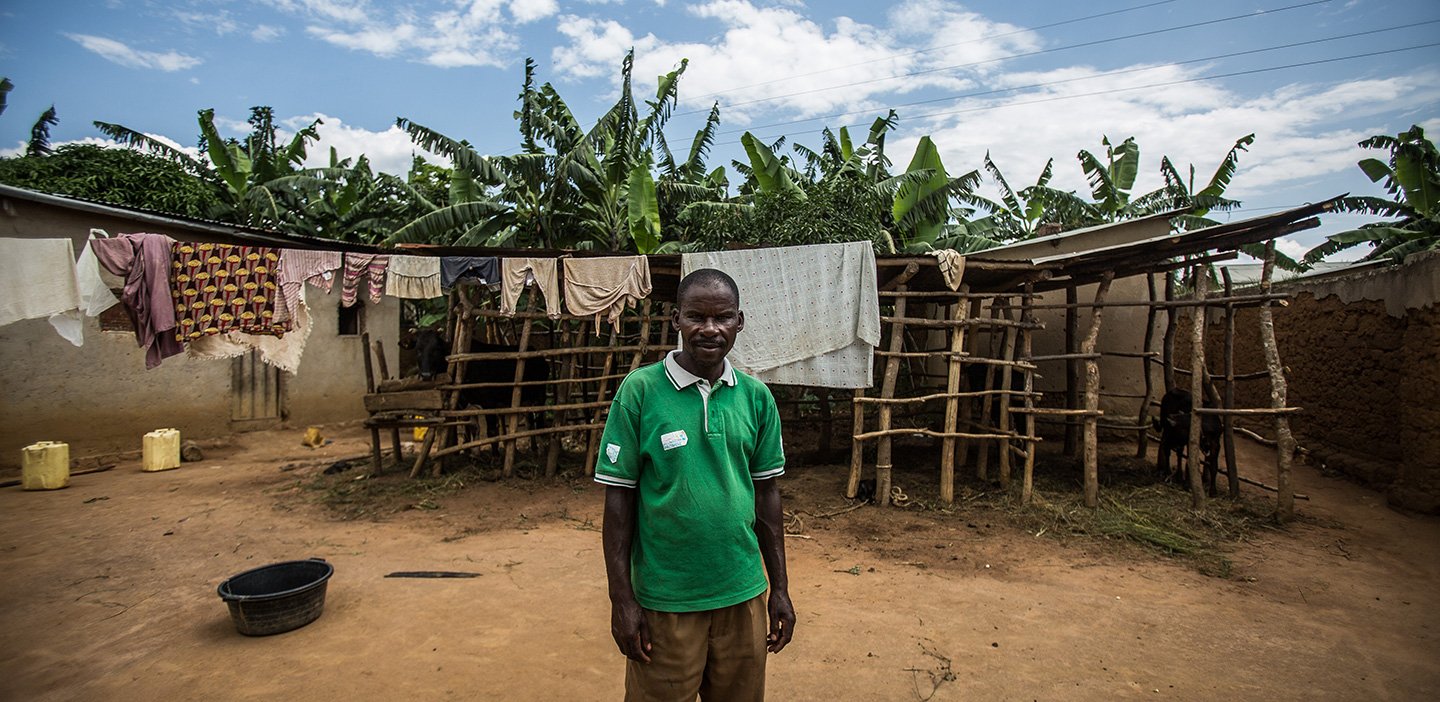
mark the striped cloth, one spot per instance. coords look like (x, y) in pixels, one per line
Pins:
(297, 266)
(367, 269)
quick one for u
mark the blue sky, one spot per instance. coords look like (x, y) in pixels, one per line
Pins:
(1024, 80)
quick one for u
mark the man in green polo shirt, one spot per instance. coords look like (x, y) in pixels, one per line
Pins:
(693, 522)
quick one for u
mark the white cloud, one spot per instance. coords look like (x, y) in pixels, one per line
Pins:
(119, 53)
(1298, 139)
(783, 58)
(218, 22)
(389, 150)
(531, 10)
(1291, 247)
(456, 34)
(266, 33)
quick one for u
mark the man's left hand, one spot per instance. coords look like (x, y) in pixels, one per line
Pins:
(782, 621)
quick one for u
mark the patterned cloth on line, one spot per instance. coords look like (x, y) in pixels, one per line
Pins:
(219, 288)
(812, 313)
(369, 266)
(605, 285)
(413, 277)
(516, 273)
(144, 262)
(485, 269)
(283, 352)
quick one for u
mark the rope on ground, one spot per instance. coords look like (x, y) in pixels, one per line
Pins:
(898, 497)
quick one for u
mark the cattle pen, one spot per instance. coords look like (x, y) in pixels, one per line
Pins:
(961, 365)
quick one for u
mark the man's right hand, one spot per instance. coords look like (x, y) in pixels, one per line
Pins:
(632, 634)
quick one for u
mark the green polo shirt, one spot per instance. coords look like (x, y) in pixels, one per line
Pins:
(693, 450)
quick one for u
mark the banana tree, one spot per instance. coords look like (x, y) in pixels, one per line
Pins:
(243, 172)
(1411, 178)
(1016, 215)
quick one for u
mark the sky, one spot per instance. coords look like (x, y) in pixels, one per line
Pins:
(1024, 80)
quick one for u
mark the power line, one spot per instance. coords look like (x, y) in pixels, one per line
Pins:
(998, 59)
(1063, 81)
(929, 50)
(1166, 84)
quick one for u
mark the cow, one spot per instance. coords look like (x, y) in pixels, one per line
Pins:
(1174, 427)
(431, 348)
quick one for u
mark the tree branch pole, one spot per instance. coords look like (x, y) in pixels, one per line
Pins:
(1142, 441)
(1194, 461)
(1091, 433)
(952, 402)
(1072, 366)
(1284, 440)
(883, 460)
(1232, 469)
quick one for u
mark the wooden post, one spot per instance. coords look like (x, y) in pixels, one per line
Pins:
(1091, 433)
(827, 425)
(1007, 374)
(375, 459)
(987, 402)
(562, 397)
(1232, 470)
(952, 403)
(1172, 317)
(592, 445)
(883, 463)
(1027, 315)
(512, 420)
(1194, 461)
(857, 447)
(1284, 441)
(972, 343)
(1072, 366)
(1142, 439)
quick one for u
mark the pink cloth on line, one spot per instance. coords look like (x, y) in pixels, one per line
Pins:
(299, 266)
(370, 268)
(143, 260)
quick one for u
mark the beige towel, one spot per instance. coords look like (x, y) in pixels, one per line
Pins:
(952, 266)
(605, 285)
(812, 313)
(414, 277)
(516, 273)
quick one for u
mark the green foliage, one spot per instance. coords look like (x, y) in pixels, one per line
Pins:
(833, 210)
(1411, 177)
(118, 176)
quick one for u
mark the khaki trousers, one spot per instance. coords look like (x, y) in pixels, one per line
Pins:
(718, 654)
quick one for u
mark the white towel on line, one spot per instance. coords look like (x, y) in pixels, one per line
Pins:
(812, 313)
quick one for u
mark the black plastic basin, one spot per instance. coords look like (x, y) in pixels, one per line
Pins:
(278, 597)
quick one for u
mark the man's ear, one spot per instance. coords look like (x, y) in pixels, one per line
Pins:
(741, 325)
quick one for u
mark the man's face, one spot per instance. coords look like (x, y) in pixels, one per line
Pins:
(708, 318)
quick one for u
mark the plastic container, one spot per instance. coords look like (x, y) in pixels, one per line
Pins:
(45, 465)
(161, 450)
(278, 597)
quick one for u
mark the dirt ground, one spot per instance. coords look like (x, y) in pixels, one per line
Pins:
(108, 593)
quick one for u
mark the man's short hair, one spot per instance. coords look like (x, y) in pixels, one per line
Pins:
(707, 276)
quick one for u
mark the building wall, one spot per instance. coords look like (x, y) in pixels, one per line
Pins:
(1362, 355)
(100, 399)
(1122, 329)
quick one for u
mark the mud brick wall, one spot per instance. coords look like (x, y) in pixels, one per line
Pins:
(1367, 374)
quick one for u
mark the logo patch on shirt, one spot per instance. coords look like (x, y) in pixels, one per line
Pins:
(612, 452)
(674, 439)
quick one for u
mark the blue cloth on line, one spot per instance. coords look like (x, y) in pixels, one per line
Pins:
(486, 269)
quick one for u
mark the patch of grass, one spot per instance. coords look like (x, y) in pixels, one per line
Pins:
(350, 495)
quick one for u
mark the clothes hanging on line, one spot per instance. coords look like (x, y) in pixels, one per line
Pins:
(299, 266)
(95, 295)
(812, 313)
(220, 288)
(283, 352)
(144, 262)
(485, 269)
(605, 285)
(952, 266)
(541, 273)
(37, 279)
(413, 277)
(366, 270)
